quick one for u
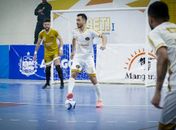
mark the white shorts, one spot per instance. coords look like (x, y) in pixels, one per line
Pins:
(168, 114)
(84, 64)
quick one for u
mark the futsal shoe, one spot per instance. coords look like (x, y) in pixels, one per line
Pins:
(46, 86)
(61, 86)
(70, 96)
(99, 104)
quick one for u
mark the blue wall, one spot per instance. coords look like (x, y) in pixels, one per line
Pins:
(4, 61)
(17, 63)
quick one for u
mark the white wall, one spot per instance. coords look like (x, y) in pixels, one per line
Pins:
(17, 21)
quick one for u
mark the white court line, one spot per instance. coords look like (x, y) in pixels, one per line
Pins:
(54, 121)
(33, 120)
(91, 121)
(81, 105)
(112, 122)
(15, 120)
(132, 121)
(71, 121)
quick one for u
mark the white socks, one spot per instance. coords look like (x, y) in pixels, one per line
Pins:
(98, 91)
(71, 85)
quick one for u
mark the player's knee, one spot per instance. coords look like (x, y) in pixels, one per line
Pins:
(73, 75)
(57, 62)
(58, 68)
(94, 81)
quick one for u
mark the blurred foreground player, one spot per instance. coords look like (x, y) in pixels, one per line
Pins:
(163, 39)
(82, 55)
(52, 50)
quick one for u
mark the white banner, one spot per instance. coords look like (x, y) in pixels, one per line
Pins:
(125, 59)
(119, 25)
(126, 64)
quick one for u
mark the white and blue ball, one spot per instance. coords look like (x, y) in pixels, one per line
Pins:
(70, 104)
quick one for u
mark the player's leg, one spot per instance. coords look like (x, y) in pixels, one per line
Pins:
(48, 62)
(90, 68)
(71, 84)
(48, 75)
(75, 69)
(60, 73)
(168, 114)
(94, 81)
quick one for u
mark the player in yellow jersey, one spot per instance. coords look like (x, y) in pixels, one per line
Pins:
(52, 51)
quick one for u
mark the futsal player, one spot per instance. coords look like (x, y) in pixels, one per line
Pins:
(82, 55)
(52, 51)
(163, 39)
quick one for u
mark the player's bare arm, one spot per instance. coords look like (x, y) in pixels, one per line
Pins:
(162, 64)
(104, 42)
(73, 47)
(60, 44)
(37, 48)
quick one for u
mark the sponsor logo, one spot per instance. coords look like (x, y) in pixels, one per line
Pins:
(27, 66)
(101, 24)
(65, 63)
(87, 38)
(141, 65)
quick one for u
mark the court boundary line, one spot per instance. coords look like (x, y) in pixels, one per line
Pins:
(80, 105)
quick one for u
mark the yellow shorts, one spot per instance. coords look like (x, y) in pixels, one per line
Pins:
(50, 57)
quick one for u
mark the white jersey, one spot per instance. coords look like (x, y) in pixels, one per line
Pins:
(165, 35)
(84, 42)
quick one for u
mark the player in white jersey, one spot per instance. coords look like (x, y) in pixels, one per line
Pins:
(163, 39)
(82, 55)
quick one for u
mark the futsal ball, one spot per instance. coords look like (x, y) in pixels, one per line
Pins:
(70, 104)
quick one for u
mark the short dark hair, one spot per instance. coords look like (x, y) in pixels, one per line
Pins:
(83, 16)
(159, 10)
(46, 20)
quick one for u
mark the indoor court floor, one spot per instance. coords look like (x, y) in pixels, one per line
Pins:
(25, 106)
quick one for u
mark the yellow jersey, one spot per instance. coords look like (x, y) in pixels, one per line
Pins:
(49, 41)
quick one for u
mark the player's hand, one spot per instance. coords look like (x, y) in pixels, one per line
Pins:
(60, 52)
(40, 11)
(156, 99)
(102, 47)
(72, 55)
(35, 57)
